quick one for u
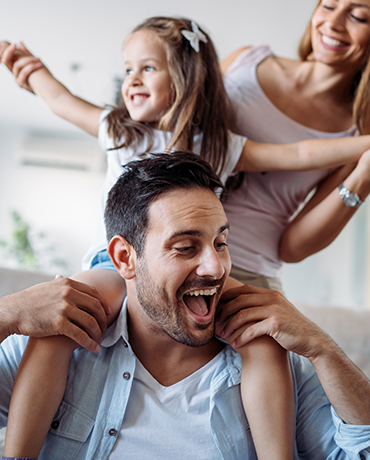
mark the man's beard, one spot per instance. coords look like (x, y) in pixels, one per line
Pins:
(169, 315)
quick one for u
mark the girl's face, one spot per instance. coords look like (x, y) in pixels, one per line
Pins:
(146, 89)
(341, 33)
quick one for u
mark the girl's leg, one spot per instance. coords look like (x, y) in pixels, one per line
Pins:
(267, 393)
(268, 398)
(37, 393)
(41, 378)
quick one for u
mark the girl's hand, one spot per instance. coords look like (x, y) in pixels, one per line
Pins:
(20, 62)
(3, 46)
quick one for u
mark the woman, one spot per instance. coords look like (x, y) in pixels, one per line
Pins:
(278, 100)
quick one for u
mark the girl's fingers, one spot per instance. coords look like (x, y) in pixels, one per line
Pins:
(24, 73)
(23, 48)
(23, 62)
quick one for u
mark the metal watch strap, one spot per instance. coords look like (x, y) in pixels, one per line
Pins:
(351, 200)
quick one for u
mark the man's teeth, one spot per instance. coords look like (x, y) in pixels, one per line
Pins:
(331, 41)
(204, 292)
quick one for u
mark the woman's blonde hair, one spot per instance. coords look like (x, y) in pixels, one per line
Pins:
(360, 86)
(199, 99)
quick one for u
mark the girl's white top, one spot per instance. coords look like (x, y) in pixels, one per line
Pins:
(116, 159)
(260, 210)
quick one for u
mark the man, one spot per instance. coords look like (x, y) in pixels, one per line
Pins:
(167, 232)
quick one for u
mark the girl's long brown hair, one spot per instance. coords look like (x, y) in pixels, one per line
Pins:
(360, 85)
(199, 98)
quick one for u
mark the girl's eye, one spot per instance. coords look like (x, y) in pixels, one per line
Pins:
(128, 71)
(149, 68)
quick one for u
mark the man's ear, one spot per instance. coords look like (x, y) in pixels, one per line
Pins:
(123, 256)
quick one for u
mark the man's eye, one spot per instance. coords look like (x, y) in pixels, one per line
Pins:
(185, 249)
(221, 245)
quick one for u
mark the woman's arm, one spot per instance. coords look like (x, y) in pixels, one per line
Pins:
(31, 73)
(325, 215)
(302, 156)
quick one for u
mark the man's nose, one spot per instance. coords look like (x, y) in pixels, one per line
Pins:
(210, 265)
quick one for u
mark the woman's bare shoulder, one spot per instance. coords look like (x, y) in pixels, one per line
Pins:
(226, 63)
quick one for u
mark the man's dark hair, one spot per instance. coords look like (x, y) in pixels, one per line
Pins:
(126, 212)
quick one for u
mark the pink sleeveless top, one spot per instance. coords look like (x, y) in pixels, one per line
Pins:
(260, 210)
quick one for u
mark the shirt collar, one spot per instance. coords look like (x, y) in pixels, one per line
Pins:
(117, 329)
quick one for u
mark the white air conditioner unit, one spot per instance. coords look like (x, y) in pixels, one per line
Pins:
(61, 150)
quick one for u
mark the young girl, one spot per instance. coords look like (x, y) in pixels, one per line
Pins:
(173, 96)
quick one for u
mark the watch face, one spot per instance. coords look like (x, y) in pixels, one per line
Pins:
(351, 200)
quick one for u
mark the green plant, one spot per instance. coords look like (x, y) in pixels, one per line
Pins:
(28, 249)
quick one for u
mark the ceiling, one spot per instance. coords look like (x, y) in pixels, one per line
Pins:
(87, 36)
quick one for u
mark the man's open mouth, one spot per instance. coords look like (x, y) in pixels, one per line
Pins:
(200, 301)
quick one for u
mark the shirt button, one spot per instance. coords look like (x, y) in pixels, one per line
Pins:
(126, 376)
(125, 344)
(112, 432)
(55, 425)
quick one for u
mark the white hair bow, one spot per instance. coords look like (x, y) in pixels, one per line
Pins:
(195, 36)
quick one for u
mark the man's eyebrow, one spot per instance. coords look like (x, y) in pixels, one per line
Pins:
(195, 232)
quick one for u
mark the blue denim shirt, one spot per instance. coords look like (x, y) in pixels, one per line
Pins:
(98, 388)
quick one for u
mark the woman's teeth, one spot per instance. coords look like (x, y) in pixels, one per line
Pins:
(331, 41)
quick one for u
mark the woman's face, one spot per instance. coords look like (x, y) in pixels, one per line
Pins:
(340, 31)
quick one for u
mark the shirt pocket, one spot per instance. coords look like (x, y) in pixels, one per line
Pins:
(71, 423)
(67, 435)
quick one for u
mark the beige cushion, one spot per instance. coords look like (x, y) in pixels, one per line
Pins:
(349, 328)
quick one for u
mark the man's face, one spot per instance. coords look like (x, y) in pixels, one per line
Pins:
(184, 266)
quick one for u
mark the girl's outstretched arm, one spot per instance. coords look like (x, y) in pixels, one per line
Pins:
(31, 74)
(302, 156)
(325, 215)
(41, 378)
(267, 395)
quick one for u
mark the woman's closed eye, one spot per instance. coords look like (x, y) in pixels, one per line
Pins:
(356, 18)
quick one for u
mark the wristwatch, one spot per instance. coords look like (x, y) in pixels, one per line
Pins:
(350, 199)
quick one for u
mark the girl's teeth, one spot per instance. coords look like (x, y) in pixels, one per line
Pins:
(138, 98)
